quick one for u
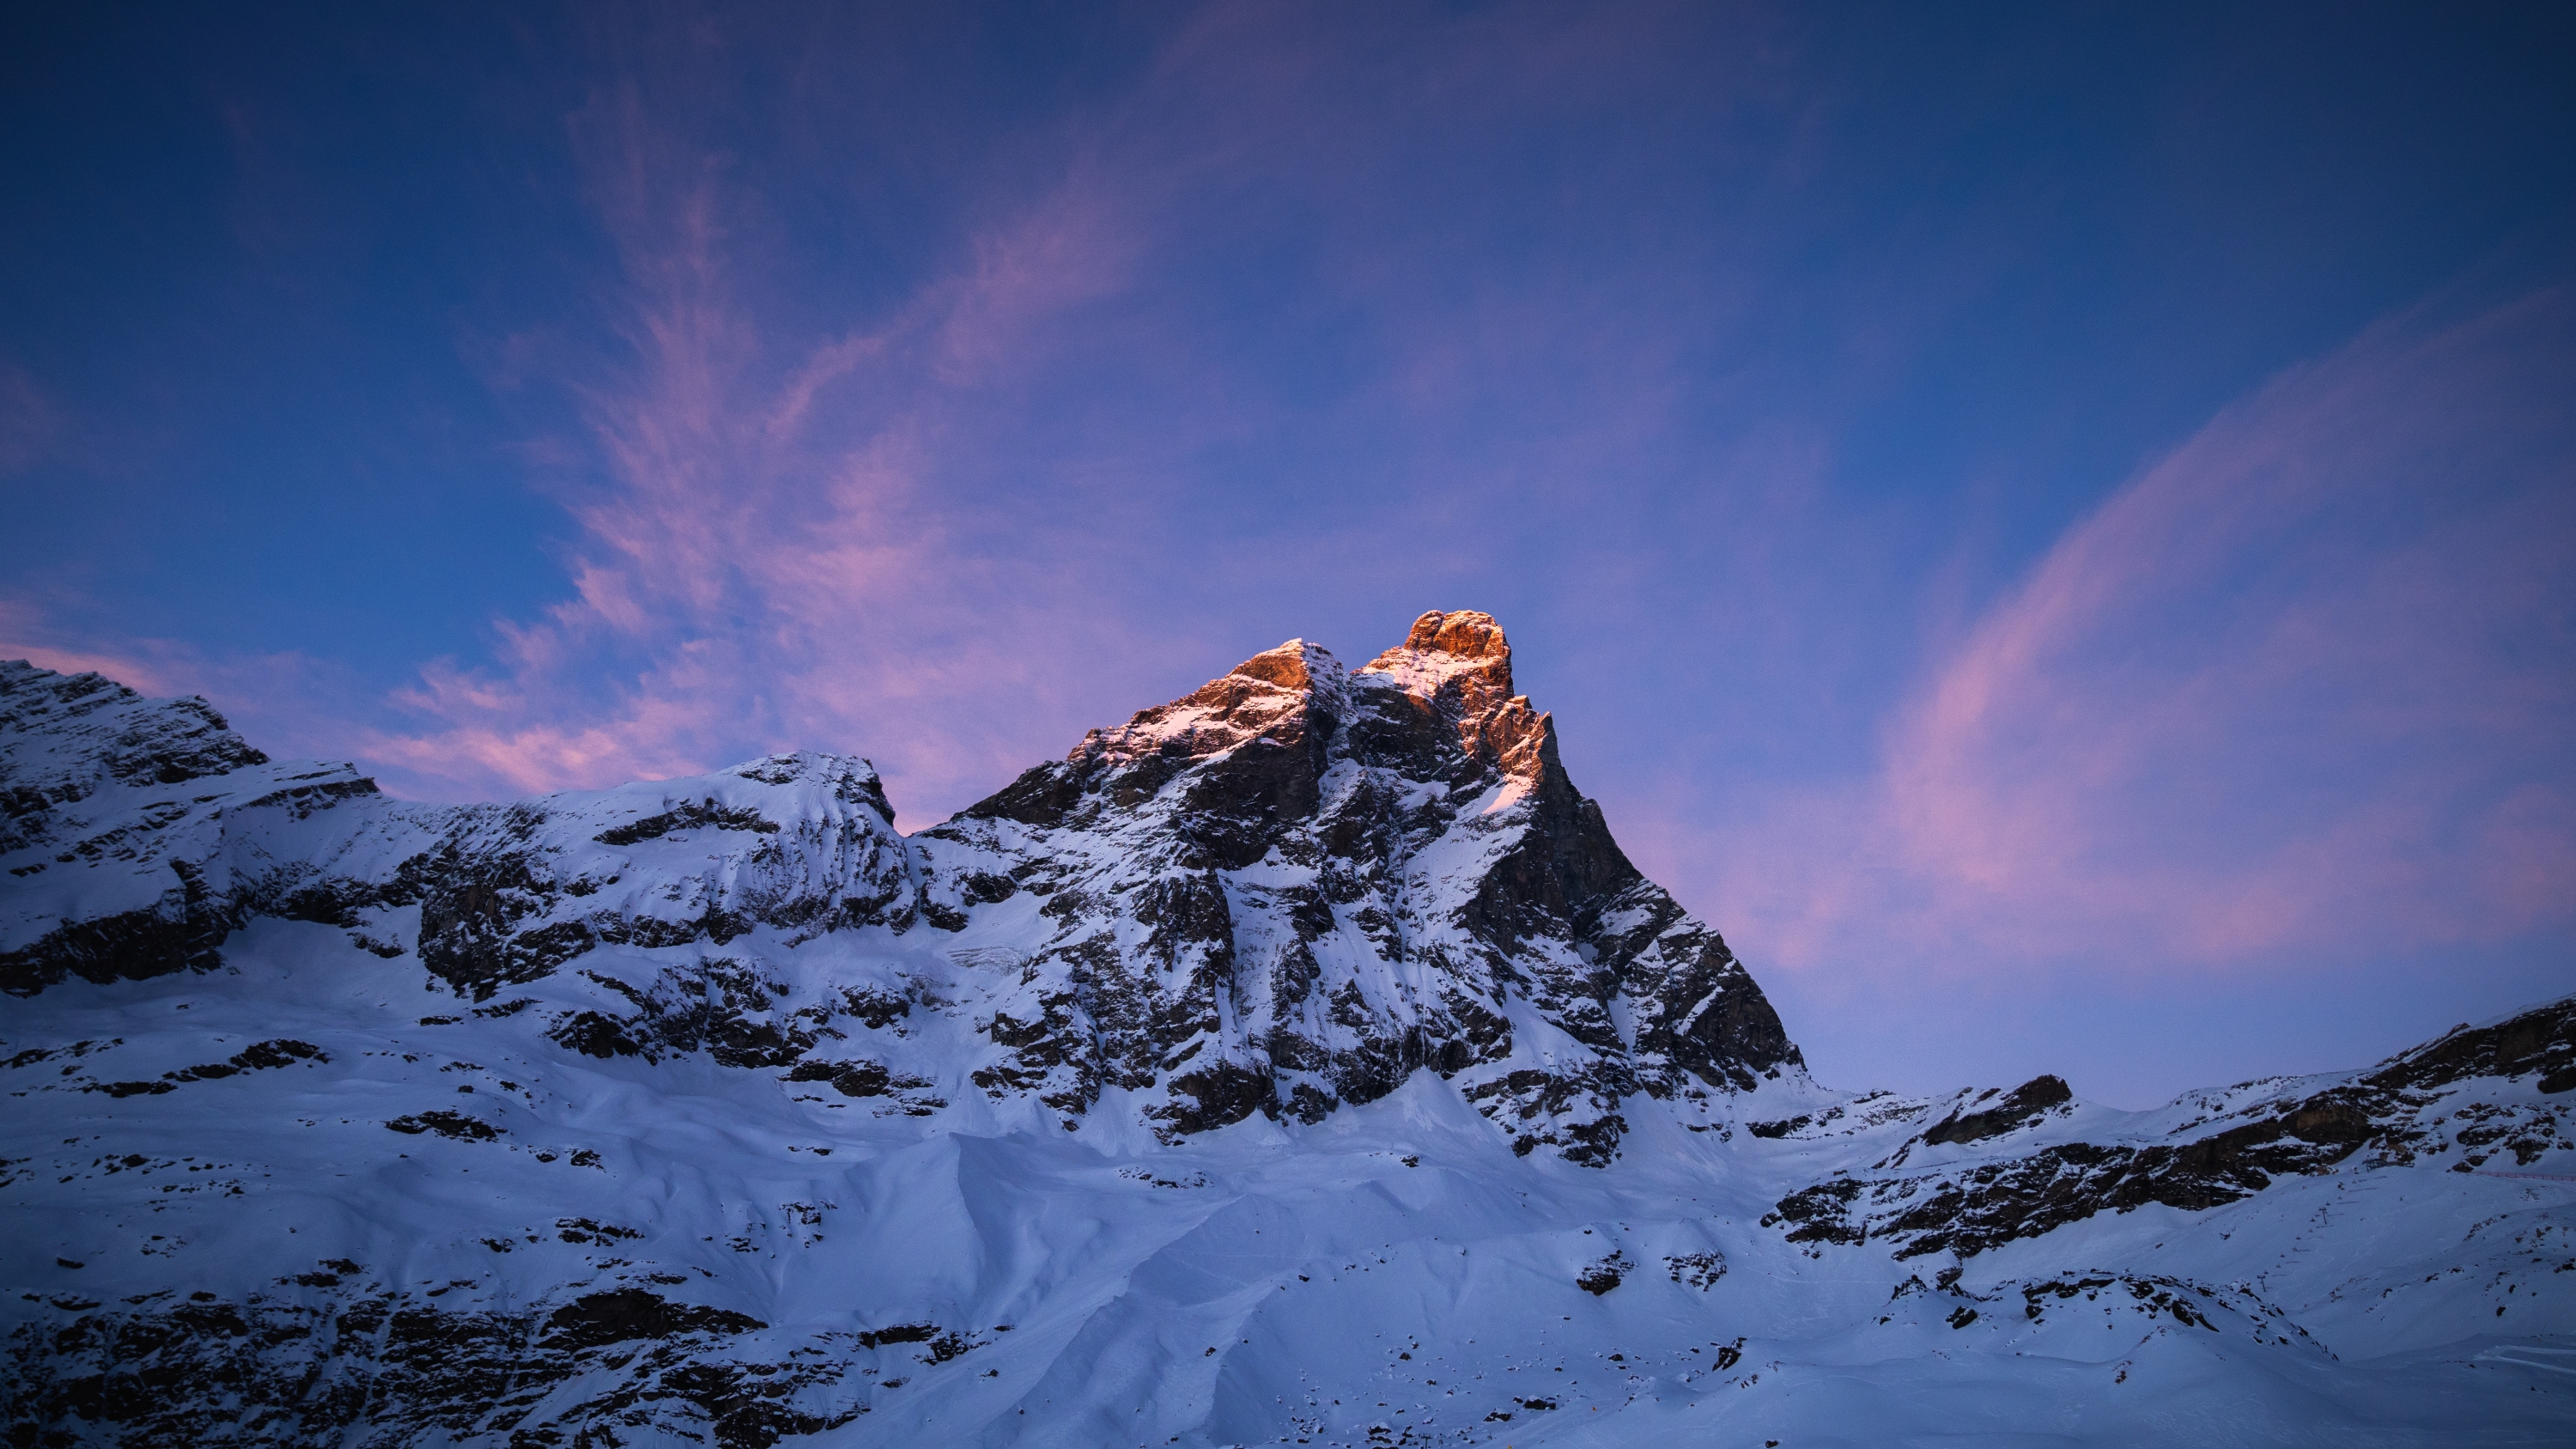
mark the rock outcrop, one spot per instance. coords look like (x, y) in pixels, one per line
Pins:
(1299, 884)
(2424, 1104)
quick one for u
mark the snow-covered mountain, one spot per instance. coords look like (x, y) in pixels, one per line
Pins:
(1299, 1062)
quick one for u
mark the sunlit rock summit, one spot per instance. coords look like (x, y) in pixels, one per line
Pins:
(1299, 884)
(1300, 1061)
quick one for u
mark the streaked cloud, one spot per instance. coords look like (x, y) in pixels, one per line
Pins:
(906, 537)
(2300, 688)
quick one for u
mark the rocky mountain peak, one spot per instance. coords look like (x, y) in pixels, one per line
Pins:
(1262, 703)
(1293, 665)
(1465, 634)
(1305, 884)
(1459, 659)
(63, 736)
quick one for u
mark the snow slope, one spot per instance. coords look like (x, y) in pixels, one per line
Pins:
(1299, 1063)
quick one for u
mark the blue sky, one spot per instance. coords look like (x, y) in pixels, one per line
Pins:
(2052, 526)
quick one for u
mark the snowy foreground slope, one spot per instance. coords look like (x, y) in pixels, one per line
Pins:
(1300, 1062)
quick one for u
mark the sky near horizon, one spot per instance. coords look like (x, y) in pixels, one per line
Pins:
(2053, 527)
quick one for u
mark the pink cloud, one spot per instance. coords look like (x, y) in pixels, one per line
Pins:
(803, 544)
(788, 555)
(2298, 689)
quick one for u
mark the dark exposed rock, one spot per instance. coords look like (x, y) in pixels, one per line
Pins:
(690, 816)
(447, 1124)
(2153, 1297)
(2026, 1103)
(270, 1055)
(1604, 1274)
(130, 1089)
(396, 1370)
(2541, 1041)
(266, 1056)
(875, 1009)
(898, 1333)
(866, 1079)
(182, 932)
(300, 801)
(1697, 1270)
(1970, 1208)
(717, 1005)
(1704, 1015)
(597, 1034)
(514, 894)
(1219, 1094)
(985, 888)
(470, 918)
(584, 1230)
(628, 1313)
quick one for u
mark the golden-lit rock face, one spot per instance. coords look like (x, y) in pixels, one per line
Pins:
(1464, 633)
(1297, 884)
(1284, 666)
(1462, 655)
(1459, 664)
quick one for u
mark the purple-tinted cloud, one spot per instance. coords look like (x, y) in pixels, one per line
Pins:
(772, 563)
(801, 543)
(2299, 689)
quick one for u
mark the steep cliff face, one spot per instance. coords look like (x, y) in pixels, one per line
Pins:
(1299, 884)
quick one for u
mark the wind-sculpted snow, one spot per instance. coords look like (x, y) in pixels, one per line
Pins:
(1300, 1062)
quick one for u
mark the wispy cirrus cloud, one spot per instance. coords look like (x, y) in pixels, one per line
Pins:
(2300, 689)
(916, 532)
(827, 531)
(778, 557)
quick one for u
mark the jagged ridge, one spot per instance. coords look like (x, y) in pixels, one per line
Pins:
(1300, 883)
(1283, 892)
